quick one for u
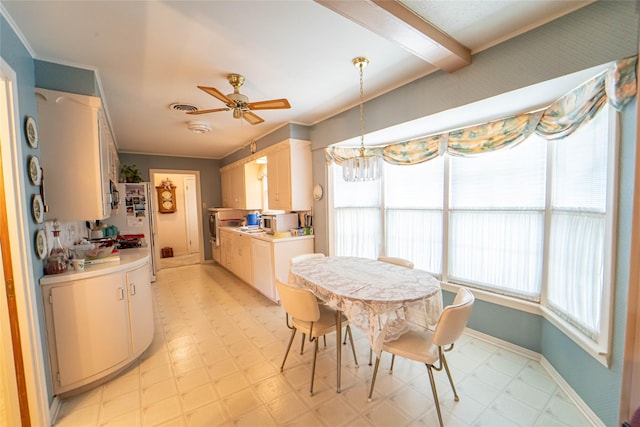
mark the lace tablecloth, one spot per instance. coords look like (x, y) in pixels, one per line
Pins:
(383, 300)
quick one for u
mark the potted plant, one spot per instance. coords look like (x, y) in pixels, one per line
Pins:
(130, 173)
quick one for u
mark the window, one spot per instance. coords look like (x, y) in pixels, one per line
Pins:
(498, 221)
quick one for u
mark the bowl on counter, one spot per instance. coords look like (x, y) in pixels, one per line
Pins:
(95, 250)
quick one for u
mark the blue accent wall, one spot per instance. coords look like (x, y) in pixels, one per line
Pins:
(15, 54)
(65, 78)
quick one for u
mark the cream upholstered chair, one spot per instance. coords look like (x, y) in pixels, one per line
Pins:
(304, 314)
(397, 261)
(303, 257)
(428, 347)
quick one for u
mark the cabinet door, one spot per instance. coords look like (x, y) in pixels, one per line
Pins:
(140, 308)
(224, 188)
(244, 258)
(262, 268)
(279, 176)
(93, 336)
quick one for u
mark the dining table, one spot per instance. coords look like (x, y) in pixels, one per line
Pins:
(381, 299)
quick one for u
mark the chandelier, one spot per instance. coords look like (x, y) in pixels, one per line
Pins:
(361, 167)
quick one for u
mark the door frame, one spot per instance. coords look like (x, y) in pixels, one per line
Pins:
(20, 264)
(152, 173)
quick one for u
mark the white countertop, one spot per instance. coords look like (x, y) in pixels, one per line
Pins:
(264, 236)
(129, 258)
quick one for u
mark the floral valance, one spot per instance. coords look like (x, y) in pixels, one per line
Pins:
(616, 85)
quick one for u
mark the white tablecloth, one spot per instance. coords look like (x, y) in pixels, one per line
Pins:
(383, 300)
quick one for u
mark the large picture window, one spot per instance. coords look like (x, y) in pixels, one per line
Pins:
(498, 221)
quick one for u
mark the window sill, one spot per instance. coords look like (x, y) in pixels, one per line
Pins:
(591, 348)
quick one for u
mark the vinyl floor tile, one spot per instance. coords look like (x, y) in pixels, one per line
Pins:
(215, 361)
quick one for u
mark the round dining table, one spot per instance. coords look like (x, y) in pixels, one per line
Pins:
(381, 299)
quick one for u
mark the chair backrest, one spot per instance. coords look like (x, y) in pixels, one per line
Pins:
(454, 319)
(301, 304)
(303, 257)
(397, 261)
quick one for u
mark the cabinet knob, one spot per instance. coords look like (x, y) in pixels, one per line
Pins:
(132, 288)
(121, 292)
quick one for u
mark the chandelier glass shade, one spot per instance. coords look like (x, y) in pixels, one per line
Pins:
(363, 167)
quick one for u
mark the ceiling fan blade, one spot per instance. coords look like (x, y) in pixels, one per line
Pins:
(215, 110)
(252, 118)
(272, 104)
(216, 93)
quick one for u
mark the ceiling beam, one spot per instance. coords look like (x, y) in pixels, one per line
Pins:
(394, 21)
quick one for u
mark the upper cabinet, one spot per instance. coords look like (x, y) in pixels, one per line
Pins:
(78, 155)
(289, 175)
(241, 186)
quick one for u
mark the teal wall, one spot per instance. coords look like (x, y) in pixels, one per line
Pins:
(14, 53)
(66, 79)
(209, 181)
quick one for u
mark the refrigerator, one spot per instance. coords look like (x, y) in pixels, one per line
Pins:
(134, 216)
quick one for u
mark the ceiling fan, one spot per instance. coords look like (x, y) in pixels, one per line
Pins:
(239, 103)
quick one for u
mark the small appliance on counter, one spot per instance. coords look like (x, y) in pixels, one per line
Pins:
(274, 223)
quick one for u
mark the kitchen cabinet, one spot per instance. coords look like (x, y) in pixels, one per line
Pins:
(97, 322)
(271, 260)
(77, 155)
(289, 176)
(236, 254)
(140, 307)
(241, 186)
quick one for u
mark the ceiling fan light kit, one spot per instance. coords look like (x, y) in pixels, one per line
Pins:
(239, 103)
(199, 126)
(363, 167)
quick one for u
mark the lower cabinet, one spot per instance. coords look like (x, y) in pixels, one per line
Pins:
(271, 260)
(236, 254)
(97, 325)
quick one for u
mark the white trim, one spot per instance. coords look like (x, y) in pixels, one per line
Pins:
(22, 254)
(562, 384)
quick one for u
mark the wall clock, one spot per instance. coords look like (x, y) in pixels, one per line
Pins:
(166, 198)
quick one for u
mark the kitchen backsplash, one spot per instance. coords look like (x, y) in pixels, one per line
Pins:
(70, 232)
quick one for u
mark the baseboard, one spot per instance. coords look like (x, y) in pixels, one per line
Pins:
(54, 409)
(562, 384)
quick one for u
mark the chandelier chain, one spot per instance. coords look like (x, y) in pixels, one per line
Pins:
(361, 66)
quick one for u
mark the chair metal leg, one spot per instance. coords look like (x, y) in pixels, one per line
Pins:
(293, 334)
(302, 344)
(313, 366)
(393, 359)
(370, 355)
(446, 368)
(353, 347)
(373, 379)
(435, 393)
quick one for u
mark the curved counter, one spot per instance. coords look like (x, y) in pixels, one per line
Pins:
(98, 320)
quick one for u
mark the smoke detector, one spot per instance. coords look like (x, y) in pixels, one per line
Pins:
(199, 126)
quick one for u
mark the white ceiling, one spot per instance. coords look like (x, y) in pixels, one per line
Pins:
(149, 54)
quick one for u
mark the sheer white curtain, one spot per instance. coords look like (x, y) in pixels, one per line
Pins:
(497, 219)
(413, 205)
(578, 224)
(357, 218)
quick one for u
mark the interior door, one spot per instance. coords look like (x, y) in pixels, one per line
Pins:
(191, 204)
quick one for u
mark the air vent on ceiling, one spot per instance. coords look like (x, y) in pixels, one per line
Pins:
(185, 108)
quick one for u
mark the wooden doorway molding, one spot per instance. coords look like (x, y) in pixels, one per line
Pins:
(17, 296)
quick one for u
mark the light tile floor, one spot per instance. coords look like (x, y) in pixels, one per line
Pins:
(215, 360)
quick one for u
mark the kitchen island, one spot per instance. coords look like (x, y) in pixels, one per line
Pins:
(98, 320)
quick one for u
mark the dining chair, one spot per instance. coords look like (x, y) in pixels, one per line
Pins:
(297, 259)
(429, 346)
(304, 314)
(397, 261)
(303, 257)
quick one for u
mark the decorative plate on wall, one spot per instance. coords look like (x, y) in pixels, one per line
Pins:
(31, 130)
(35, 173)
(40, 244)
(37, 208)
